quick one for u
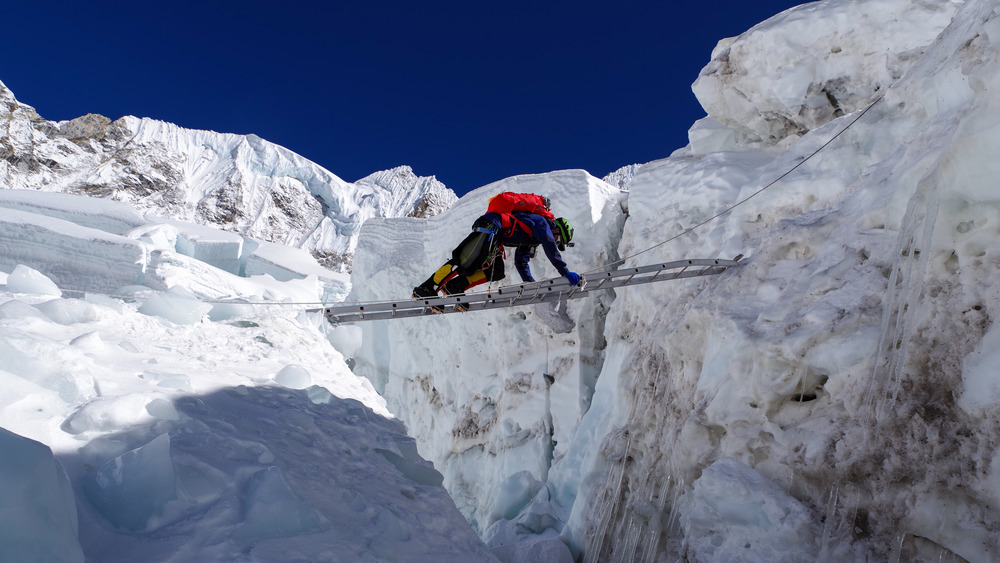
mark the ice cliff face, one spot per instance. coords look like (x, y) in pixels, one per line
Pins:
(835, 399)
(483, 386)
(813, 63)
(239, 183)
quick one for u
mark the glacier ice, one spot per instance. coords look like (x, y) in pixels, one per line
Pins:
(131, 490)
(39, 508)
(68, 311)
(294, 377)
(273, 510)
(732, 513)
(176, 305)
(28, 280)
(836, 364)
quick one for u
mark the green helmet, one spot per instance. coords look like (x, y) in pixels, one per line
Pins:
(563, 231)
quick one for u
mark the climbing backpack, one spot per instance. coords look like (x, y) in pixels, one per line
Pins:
(510, 202)
(506, 204)
(479, 249)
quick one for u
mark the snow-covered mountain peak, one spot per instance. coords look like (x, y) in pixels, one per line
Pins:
(240, 183)
(5, 94)
(91, 126)
(8, 99)
(402, 189)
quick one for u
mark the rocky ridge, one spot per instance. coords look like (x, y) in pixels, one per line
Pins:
(238, 183)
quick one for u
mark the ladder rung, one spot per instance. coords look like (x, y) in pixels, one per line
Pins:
(525, 293)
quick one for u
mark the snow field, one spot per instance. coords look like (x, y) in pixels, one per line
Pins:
(192, 430)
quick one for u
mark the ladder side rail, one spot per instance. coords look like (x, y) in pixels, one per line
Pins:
(421, 309)
(556, 283)
(471, 300)
(424, 310)
(513, 295)
(673, 265)
(601, 278)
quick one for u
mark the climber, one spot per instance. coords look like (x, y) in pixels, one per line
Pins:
(523, 221)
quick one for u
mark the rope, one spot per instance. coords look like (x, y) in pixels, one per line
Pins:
(607, 266)
(230, 301)
(620, 261)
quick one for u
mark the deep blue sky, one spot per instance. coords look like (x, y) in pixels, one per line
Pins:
(470, 92)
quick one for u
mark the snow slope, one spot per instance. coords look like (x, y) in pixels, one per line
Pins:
(203, 416)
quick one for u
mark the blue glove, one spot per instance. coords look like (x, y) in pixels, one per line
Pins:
(573, 277)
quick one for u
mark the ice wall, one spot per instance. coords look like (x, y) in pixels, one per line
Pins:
(845, 371)
(38, 513)
(507, 385)
(839, 361)
(101, 245)
(73, 256)
(813, 63)
(109, 216)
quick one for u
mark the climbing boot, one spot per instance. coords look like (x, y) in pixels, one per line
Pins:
(424, 291)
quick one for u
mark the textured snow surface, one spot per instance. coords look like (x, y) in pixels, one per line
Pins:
(204, 416)
(732, 509)
(812, 63)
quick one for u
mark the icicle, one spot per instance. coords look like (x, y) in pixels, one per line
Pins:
(904, 288)
(897, 549)
(831, 512)
(593, 552)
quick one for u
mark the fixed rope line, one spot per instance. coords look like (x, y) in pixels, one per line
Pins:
(545, 291)
(215, 301)
(515, 295)
(608, 267)
(746, 199)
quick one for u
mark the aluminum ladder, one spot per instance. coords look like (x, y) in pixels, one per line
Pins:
(555, 289)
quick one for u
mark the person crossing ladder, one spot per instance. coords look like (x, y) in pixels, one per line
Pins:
(522, 221)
